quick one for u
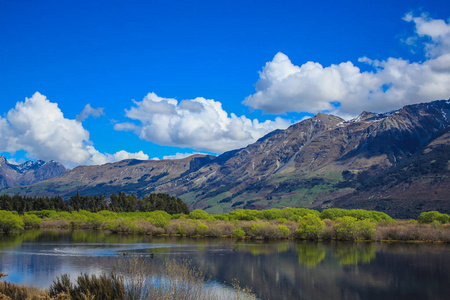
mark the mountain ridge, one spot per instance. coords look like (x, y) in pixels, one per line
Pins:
(312, 163)
(29, 172)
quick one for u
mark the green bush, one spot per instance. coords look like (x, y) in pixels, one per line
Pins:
(283, 231)
(359, 214)
(180, 229)
(346, 228)
(244, 215)
(293, 214)
(199, 214)
(61, 215)
(310, 227)
(202, 229)
(10, 221)
(349, 228)
(222, 217)
(430, 216)
(159, 218)
(366, 229)
(31, 220)
(239, 233)
(122, 225)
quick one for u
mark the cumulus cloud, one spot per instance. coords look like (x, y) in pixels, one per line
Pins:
(436, 32)
(180, 155)
(311, 87)
(90, 111)
(39, 127)
(198, 123)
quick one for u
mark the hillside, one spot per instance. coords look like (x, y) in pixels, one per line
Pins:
(395, 162)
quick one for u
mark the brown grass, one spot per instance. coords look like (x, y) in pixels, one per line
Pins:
(407, 230)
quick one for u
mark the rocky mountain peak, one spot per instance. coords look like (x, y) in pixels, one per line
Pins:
(28, 172)
(327, 118)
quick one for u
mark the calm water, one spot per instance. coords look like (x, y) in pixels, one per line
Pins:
(276, 270)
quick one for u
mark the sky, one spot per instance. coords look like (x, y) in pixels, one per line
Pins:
(92, 82)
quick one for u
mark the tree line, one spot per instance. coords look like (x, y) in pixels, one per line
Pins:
(117, 203)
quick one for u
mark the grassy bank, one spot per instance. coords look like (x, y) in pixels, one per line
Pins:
(288, 223)
(133, 278)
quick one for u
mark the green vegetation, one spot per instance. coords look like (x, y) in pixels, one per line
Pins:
(433, 216)
(359, 214)
(10, 221)
(310, 227)
(271, 224)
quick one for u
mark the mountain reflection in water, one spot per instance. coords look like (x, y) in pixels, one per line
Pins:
(274, 270)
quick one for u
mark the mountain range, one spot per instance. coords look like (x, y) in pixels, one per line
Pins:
(28, 172)
(396, 162)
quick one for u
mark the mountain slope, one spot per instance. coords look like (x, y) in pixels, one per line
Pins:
(28, 173)
(131, 176)
(309, 172)
(320, 162)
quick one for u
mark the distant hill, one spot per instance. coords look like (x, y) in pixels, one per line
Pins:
(29, 172)
(397, 162)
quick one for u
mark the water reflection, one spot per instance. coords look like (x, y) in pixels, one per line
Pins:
(352, 254)
(310, 253)
(275, 270)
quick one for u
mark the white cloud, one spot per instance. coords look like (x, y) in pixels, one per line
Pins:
(39, 127)
(311, 87)
(90, 111)
(437, 33)
(198, 123)
(13, 161)
(180, 155)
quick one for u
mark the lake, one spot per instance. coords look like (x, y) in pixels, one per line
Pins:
(274, 270)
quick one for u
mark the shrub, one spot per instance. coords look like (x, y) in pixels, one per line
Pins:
(105, 286)
(223, 217)
(202, 229)
(123, 225)
(31, 221)
(219, 228)
(430, 216)
(61, 215)
(366, 229)
(310, 227)
(182, 226)
(333, 213)
(148, 228)
(10, 221)
(180, 229)
(283, 231)
(270, 214)
(267, 231)
(238, 233)
(293, 214)
(359, 214)
(349, 228)
(346, 228)
(159, 218)
(199, 214)
(20, 292)
(244, 214)
(133, 278)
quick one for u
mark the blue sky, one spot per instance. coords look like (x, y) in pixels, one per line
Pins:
(244, 68)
